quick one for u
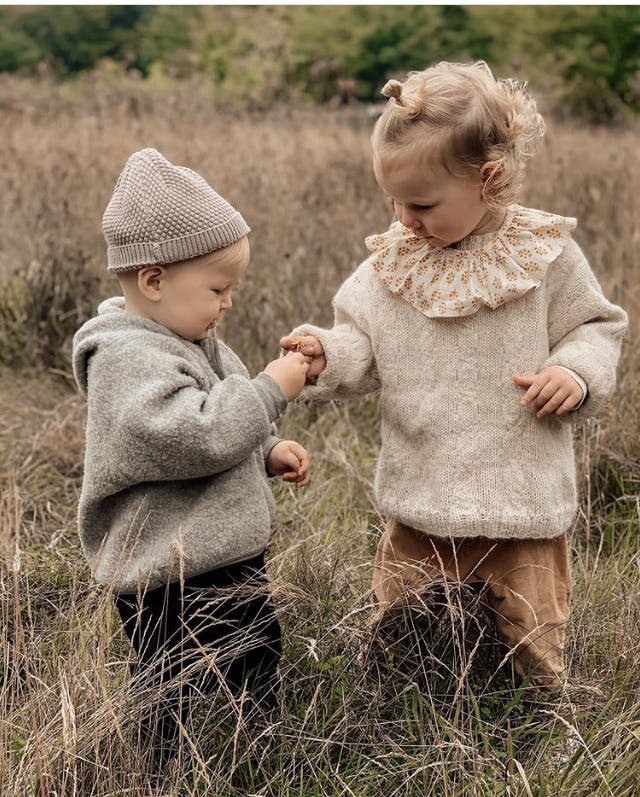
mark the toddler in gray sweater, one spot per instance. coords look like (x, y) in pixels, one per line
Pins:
(175, 511)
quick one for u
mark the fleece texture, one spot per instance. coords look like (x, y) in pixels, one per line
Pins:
(177, 436)
(460, 456)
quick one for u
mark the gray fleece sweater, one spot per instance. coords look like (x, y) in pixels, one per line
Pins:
(460, 456)
(177, 436)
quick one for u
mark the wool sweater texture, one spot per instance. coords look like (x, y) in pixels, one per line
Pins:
(460, 456)
(176, 442)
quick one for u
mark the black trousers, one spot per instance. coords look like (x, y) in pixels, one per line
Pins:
(216, 629)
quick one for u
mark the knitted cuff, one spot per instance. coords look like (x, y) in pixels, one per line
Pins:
(273, 397)
(345, 367)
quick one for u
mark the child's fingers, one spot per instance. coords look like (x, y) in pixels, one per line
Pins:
(288, 343)
(296, 355)
(302, 477)
(299, 479)
(306, 344)
(567, 405)
(290, 460)
(532, 393)
(317, 366)
(296, 457)
(523, 381)
(303, 457)
(549, 392)
(303, 460)
(552, 404)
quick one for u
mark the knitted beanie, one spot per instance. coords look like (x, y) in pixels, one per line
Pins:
(161, 213)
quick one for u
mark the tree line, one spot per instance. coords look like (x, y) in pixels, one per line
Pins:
(586, 58)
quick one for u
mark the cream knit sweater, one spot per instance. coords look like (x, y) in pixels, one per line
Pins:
(460, 455)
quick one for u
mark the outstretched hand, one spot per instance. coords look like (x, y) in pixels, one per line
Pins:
(553, 391)
(290, 372)
(291, 461)
(311, 348)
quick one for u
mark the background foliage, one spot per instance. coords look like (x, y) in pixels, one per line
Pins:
(83, 87)
(587, 58)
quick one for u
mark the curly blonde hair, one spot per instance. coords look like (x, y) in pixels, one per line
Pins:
(476, 125)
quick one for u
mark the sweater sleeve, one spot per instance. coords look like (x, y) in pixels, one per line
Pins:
(585, 329)
(164, 425)
(233, 362)
(268, 443)
(351, 368)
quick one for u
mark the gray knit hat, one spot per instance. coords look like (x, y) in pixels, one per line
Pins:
(161, 213)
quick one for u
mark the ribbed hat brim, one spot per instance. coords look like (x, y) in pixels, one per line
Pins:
(136, 255)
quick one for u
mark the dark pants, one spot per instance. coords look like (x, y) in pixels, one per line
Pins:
(218, 628)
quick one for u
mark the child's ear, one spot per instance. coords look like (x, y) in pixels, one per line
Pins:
(149, 281)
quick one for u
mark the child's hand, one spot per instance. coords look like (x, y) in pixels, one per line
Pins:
(312, 349)
(290, 372)
(552, 391)
(291, 461)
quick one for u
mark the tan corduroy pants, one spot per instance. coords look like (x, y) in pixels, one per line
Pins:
(528, 583)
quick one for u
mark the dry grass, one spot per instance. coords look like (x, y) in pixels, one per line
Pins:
(303, 181)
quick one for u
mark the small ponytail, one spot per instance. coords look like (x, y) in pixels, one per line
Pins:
(392, 88)
(408, 105)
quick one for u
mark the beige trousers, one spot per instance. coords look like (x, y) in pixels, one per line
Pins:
(528, 583)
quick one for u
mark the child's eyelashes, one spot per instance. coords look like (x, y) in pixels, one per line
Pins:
(416, 208)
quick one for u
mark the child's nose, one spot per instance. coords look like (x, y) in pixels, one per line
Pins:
(407, 218)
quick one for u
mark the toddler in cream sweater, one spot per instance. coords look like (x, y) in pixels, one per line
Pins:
(487, 335)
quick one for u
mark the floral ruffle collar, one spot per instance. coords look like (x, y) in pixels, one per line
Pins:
(481, 270)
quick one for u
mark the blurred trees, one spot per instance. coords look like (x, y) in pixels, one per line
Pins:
(597, 52)
(371, 43)
(71, 37)
(587, 58)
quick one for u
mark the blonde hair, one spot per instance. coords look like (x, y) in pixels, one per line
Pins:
(473, 122)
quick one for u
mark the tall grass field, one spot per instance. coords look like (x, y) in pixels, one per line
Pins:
(362, 715)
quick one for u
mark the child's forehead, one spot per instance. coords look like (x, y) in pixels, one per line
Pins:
(419, 153)
(402, 174)
(228, 262)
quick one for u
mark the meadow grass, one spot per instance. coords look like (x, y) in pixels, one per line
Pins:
(360, 715)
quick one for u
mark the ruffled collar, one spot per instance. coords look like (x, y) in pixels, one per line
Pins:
(481, 270)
